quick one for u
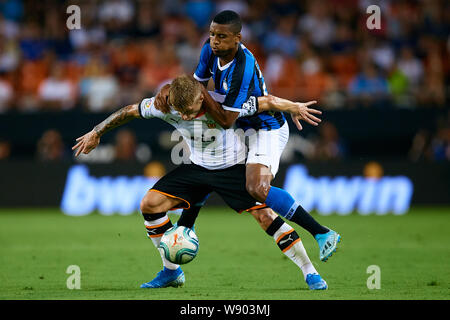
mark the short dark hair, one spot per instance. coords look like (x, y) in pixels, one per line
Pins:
(231, 18)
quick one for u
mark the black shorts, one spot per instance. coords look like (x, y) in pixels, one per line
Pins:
(192, 183)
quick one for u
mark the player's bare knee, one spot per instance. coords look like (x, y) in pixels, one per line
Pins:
(150, 202)
(258, 178)
(258, 190)
(145, 206)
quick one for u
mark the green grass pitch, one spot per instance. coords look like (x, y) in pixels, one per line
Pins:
(237, 260)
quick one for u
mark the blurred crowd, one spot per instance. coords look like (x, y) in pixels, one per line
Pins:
(432, 145)
(125, 49)
(308, 50)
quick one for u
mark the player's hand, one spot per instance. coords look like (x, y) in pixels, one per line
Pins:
(161, 99)
(302, 112)
(86, 143)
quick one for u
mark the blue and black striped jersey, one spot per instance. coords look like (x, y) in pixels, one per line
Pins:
(238, 80)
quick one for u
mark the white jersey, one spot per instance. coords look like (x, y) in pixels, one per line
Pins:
(210, 145)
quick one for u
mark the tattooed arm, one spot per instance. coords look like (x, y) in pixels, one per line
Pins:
(90, 140)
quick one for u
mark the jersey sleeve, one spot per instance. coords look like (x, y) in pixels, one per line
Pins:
(241, 78)
(147, 109)
(217, 96)
(249, 107)
(203, 73)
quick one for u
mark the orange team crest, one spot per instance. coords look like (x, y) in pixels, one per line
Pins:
(211, 125)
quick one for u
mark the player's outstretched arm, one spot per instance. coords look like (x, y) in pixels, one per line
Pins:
(298, 110)
(91, 140)
(223, 117)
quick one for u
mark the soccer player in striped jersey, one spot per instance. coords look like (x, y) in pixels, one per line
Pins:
(236, 74)
(190, 183)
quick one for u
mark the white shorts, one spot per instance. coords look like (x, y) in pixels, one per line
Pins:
(266, 146)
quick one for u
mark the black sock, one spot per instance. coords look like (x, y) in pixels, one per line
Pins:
(304, 219)
(156, 229)
(188, 216)
(274, 226)
(153, 216)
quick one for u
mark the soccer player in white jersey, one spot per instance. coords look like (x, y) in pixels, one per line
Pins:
(188, 184)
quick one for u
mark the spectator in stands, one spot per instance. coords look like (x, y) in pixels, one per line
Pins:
(313, 81)
(57, 92)
(13, 10)
(283, 39)
(334, 96)
(159, 66)
(343, 42)
(400, 89)
(32, 43)
(420, 147)
(274, 68)
(9, 55)
(440, 145)
(8, 29)
(99, 88)
(6, 93)
(50, 146)
(382, 55)
(369, 87)
(240, 7)
(116, 16)
(149, 15)
(318, 24)
(432, 146)
(410, 66)
(189, 47)
(328, 146)
(31, 74)
(5, 149)
(125, 146)
(432, 92)
(91, 35)
(199, 11)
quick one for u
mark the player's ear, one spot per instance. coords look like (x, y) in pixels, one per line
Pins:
(238, 37)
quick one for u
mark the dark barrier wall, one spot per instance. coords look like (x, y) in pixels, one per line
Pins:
(375, 132)
(328, 187)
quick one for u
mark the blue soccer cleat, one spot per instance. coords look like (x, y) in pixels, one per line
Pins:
(166, 278)
(327, 243)
(315, 282)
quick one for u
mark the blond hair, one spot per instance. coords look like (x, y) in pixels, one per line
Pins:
(183, 91)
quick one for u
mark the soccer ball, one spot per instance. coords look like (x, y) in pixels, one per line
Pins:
(179, 245)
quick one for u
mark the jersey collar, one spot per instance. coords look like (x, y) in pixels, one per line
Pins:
(225, 66)
(200, 113)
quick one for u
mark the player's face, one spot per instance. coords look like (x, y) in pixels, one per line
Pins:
(192, 111)
(222, 40)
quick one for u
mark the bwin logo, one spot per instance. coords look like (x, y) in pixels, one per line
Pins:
(84, 194)
(344, 195)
